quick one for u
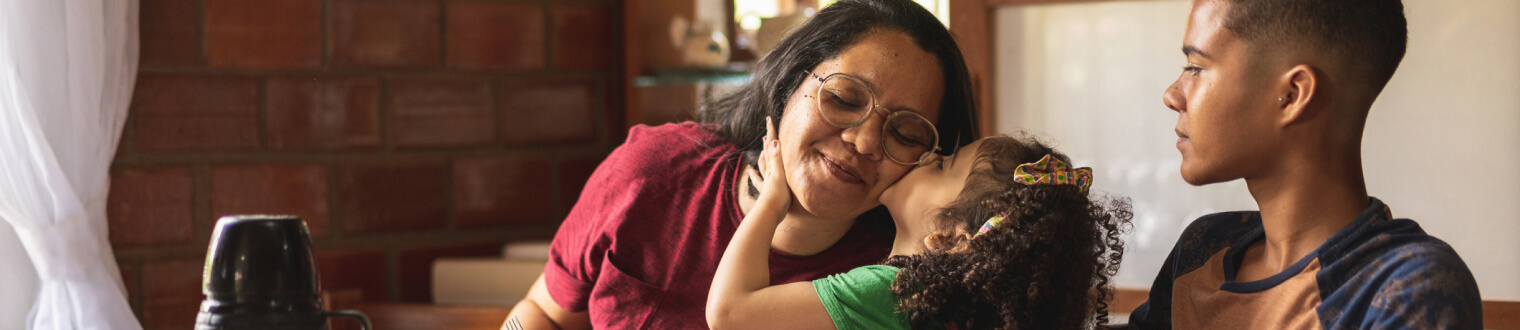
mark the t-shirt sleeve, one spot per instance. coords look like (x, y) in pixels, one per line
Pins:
(1424, 286)
(861, 298)
(579, 247)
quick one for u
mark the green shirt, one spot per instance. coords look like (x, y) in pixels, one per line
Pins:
(862, 299)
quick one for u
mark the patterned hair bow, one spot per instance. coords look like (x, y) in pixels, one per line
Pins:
(1052, 171)
(1047, 171)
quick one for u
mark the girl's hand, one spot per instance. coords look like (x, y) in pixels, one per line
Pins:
(774, 189)
(741, 295)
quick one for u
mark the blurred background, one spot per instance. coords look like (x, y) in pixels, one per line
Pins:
(411, 131)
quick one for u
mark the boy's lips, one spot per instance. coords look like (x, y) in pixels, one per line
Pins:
(841, 170)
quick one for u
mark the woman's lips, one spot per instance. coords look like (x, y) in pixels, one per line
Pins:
(841, 171)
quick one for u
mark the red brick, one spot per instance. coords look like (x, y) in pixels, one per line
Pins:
(170, 33)
(171, 293)
(502, 189)
(392, 197)
(264, 34)
(442, 112)
(300, 190)
(583, 36)
(353, 269)
(186, 113)
(484, 35)
(549, 111)
(322, 113)
(573, 174)
(384, 33)
(150, 206)
(417, 267)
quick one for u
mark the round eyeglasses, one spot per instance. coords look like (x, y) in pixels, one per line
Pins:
(845, 102)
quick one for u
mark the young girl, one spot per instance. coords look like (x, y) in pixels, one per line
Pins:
(1001, 235)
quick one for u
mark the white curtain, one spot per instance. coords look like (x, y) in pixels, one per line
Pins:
(66, 74)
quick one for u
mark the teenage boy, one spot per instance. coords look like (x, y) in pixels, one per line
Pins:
(1276, 92)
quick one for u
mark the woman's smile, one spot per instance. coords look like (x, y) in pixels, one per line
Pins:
(841, 170)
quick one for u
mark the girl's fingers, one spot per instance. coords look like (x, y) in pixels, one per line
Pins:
(770, 128)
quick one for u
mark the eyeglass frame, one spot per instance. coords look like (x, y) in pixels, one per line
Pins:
(886, 114)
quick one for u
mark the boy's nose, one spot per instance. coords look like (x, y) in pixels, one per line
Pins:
(1172, 97)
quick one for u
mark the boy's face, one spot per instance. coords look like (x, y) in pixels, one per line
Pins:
(1224, 112)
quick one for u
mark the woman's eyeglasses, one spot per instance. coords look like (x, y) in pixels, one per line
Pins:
(845, 101)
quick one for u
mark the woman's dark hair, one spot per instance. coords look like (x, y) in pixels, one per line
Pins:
(740, 117)
(1046, 266)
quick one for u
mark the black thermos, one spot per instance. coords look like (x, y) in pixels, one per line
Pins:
(260, 274)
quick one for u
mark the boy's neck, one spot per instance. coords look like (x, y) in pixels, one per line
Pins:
(1302, 204)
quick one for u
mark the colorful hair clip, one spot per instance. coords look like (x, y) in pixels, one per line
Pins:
(1047, 171)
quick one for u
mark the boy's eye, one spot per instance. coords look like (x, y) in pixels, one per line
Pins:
(1191, 69)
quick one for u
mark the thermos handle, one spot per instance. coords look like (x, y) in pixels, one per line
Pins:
(363, 320)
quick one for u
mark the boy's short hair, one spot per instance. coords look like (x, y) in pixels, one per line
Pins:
(1368, 37)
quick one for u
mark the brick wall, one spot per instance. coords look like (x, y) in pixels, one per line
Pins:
(400, 130)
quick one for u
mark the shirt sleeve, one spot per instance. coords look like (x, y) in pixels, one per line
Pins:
(580, 245)
(1423, 287)
(861, 298)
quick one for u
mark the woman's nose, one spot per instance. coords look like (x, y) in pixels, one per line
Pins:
(866, 138)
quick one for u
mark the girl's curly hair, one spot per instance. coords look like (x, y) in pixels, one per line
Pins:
(1047, 266)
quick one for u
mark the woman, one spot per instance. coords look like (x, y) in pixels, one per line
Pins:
(640, 246)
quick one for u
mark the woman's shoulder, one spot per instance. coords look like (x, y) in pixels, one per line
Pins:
(670, 149)
(675, 137)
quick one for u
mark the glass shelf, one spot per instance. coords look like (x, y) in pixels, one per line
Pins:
(669, 77)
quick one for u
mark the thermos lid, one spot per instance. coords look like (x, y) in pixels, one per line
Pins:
(258, 258)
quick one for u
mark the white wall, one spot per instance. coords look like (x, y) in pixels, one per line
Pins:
(1442, 145)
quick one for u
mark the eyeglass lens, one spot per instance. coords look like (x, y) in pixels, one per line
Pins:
(846, 102)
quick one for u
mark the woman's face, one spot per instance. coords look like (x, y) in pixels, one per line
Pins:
(838, 173)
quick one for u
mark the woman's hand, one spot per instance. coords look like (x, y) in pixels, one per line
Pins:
(774, 189)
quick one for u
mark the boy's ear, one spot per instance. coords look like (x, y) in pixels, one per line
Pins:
(1301, 82)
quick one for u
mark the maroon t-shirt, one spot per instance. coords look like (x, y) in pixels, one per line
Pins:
(641, 245)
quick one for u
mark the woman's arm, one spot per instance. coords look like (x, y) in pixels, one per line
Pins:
(741, 295)
(539, 311)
